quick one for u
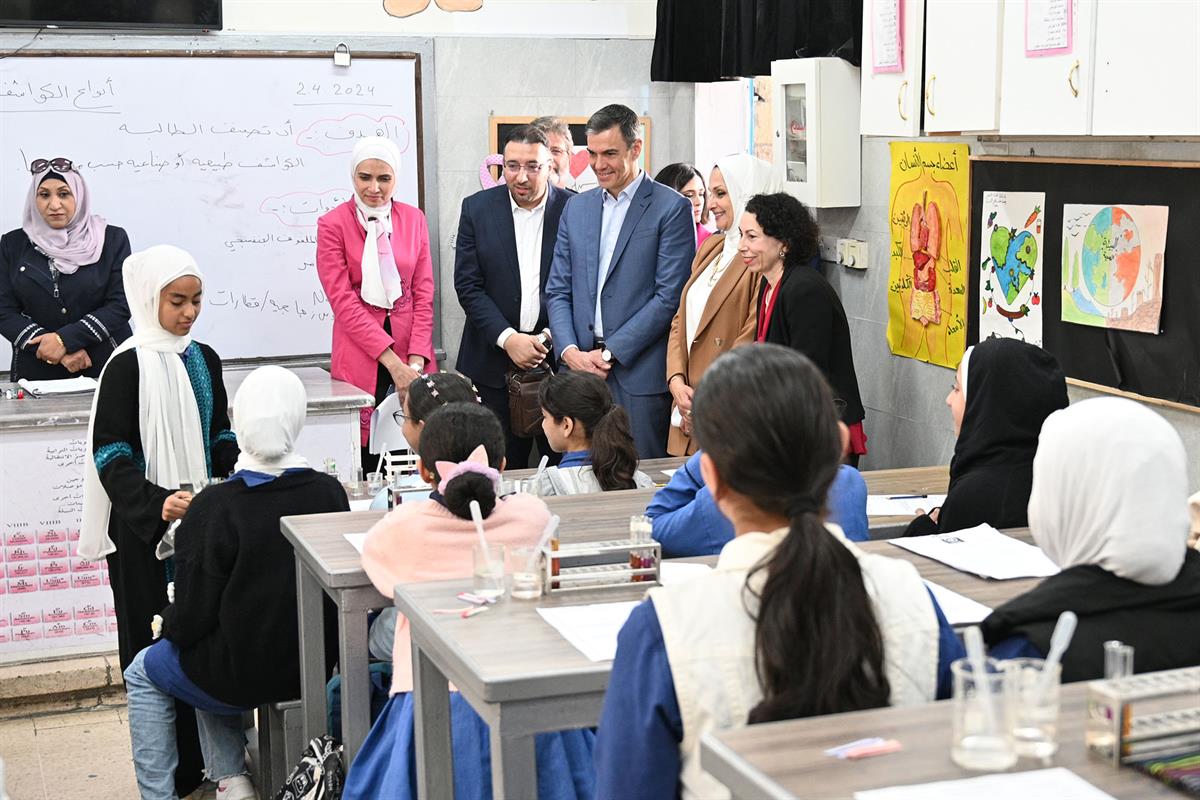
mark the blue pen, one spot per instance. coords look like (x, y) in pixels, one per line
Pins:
(907, 496)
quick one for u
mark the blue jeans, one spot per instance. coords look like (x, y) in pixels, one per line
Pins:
(152, 723)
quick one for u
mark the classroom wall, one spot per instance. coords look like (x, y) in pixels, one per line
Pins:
(908, 423)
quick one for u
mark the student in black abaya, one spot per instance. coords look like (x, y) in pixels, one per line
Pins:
(1003, 391)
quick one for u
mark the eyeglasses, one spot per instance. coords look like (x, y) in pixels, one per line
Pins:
(513, 168)
(398, 417)
(59, 164)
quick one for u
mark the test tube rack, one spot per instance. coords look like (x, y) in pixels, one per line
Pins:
(614, 571)
(1141, 716)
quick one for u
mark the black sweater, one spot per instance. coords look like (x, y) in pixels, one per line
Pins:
(234, 617)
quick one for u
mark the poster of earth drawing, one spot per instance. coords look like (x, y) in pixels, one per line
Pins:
(1010, 264)
(1112, 266)
(927, 282)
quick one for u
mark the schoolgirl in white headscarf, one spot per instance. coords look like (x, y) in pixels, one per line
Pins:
(268, 415)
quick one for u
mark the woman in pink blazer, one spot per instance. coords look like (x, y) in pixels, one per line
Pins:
(382, 295)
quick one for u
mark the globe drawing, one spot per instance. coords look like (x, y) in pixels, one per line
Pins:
(1112, 256)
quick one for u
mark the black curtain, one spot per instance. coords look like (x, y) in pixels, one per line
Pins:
(710, 40)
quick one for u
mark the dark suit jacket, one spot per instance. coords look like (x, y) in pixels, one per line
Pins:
(487, 278)
(809, 317)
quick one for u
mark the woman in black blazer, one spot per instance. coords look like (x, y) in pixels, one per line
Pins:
(797, 307)
(62, 302)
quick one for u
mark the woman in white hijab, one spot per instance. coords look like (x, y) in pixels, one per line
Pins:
(718, 307)
(1109, 505)
(159, 425)
(374, 263)
(230, 640)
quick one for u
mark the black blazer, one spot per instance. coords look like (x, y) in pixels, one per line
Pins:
(809, 317)
(487, 278)
(89, 313)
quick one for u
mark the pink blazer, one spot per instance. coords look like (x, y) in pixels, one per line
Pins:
(358, 334)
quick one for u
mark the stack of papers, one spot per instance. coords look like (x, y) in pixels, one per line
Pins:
(982, 551)
(1059, 783)
(591, 629)
(79, 385)
(884, 505)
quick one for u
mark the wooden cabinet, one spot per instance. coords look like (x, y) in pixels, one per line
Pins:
(1147, 79)
(817, 151)
(962, 65)
(1048, 95)
(891, 101)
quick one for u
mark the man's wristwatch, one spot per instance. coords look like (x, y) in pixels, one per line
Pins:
(606, 356)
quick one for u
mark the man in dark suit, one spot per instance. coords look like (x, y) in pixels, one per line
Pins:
(624, 251)
(506, 238)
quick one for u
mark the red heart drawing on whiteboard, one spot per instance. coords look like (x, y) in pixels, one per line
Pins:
(579, 162)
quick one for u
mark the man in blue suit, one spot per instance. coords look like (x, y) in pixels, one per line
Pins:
(502, 255)
(623, 253)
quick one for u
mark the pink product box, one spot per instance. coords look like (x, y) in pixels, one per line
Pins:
(59, 566)
(21, 586)
(22, 569)
(56, 614)
(13, 538)
(20, 553)
(26, 634)
(83, 565)
(89, 611)
(26, 618)
(89, 627)
(86, 580)
(52, 550)
(47, 537)
(52, 583)
(59, 630)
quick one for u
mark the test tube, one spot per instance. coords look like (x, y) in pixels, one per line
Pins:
(1118, 660)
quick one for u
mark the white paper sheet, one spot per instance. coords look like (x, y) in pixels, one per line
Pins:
(673, 572)
(1059, 783)
(1047, 27)
(361, 505)
(982, 551)
(668, 472)
(79, 385)
(885, 505)
(357, 540)
(888, 45)
(959, 609)
(592, 629)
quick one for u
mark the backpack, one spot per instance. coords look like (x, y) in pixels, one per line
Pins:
(318, 776)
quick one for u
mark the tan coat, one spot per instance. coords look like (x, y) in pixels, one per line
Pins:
(729, 320)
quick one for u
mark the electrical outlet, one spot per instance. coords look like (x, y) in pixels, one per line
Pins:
(828, 248)
(852, 253)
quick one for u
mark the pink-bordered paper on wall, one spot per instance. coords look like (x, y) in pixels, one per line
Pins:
(887, 36)
(1049, 27)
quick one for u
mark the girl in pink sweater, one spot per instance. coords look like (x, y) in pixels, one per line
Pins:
(461, 454)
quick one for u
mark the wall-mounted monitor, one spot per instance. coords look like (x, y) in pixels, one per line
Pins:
(175, 14)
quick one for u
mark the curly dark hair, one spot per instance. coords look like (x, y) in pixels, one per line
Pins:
(785, 218)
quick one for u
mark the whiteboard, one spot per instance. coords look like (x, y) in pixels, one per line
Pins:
(232, 158)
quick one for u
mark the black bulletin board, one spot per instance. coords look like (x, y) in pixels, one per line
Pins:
(1164, 366)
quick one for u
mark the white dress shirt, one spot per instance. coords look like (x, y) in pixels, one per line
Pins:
(528, 224)
(611, 220)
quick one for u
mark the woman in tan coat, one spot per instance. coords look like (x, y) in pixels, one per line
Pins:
(717, 310)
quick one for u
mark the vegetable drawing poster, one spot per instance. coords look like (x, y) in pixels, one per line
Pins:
(1010, 264)
(927, 283)
(1112, 266)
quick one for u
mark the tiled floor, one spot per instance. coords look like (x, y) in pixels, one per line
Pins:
(77, 755)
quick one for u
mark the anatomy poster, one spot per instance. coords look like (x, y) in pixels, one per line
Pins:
(1010, 280)
(1112, 266)
(927, 283)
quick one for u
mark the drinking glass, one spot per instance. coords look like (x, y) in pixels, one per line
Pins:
(375, 482)
(1034, 706)
(982, 731)
(488, 576)
(524, 564)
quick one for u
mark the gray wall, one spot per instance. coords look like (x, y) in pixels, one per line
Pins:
(908, 423)
(506, 77)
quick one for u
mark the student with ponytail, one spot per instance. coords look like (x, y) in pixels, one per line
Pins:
(581, 421)
(461, 455)
(795, 621)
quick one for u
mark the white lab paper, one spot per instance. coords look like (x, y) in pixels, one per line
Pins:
(79, 385)
(668, 472)
(886, 505)
(959, 609)
(673, 572)
(361, 505)
(1059, 783)
(357, 540)
(592, 629)
(982, 551)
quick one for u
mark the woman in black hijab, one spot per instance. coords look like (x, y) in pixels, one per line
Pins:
(1003, 392)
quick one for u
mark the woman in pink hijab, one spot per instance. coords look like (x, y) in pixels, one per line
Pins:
(374, 263)
(62, 302)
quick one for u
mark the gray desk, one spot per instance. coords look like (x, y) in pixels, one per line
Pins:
(653, 467)
(785, 760)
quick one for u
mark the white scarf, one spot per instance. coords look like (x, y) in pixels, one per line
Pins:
(268, 415)
(745, 176)
(380, 282)
(1110, 488)
(169, 420)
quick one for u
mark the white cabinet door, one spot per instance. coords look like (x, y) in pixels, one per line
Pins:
(1047, 94)
(962, 65)
(891, 101)
(1147, 68)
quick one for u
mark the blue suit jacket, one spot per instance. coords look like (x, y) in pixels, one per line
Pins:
(487, 278)
(651, 263)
